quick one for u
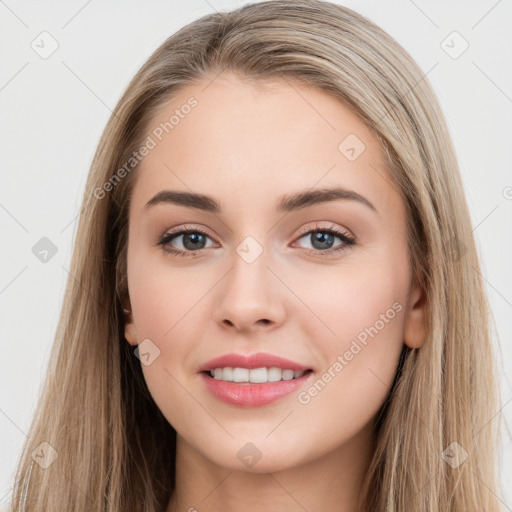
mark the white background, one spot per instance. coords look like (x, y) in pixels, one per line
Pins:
(53, 111)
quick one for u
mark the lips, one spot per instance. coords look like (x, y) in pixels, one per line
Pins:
(259, 360)
(251, 394)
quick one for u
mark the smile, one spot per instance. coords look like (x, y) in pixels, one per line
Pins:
(246, 393)
(255, 375)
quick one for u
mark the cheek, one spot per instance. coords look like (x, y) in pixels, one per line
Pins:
(168, 307)
(163, 297)
(364, 306)
(352, 300)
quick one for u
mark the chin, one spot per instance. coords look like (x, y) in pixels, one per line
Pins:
(256, 457)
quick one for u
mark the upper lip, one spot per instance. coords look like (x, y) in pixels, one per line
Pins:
(259, 360)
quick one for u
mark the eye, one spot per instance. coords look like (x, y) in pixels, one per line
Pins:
(322, 240)
(192, 240)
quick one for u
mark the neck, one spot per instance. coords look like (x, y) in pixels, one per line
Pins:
(331, 482)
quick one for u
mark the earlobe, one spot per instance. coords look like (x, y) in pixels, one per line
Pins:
(415, 331)
(130, 332)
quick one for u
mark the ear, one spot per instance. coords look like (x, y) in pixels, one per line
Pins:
(415, 331)
(130, 331)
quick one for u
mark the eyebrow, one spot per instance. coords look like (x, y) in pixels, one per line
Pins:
(286, 203)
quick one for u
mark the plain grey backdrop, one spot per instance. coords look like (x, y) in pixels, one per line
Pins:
(64, 65)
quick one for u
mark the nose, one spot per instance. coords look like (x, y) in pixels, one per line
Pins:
(250, 297)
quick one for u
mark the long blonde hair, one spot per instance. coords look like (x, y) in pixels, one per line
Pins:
(115, 450)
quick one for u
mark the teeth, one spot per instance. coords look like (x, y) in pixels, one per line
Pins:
(258, 375)
(254, 375)
(240, 375)
(226, 374)
(274, 374)
(287, 375)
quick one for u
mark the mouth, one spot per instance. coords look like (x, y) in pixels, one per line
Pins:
(253, 380)
(238, 387)
(261, 375)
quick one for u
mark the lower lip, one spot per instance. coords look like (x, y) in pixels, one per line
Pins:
(245, 394)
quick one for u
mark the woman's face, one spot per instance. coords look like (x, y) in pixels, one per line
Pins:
(273, 265)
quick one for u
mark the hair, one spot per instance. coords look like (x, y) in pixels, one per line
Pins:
(116, 451)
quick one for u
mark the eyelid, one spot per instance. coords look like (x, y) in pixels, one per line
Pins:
(342, 233)
(317, 227)
(187, 228)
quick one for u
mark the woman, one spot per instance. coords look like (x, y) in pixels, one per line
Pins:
(206, 359)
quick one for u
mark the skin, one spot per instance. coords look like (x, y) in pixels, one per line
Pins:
(247, 144)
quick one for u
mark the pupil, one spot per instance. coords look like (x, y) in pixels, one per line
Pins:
(194, 238)
(325, 240)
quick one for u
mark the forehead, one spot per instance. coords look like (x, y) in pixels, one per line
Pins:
(267, 138)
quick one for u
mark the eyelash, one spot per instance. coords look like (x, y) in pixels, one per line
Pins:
(346, 239)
